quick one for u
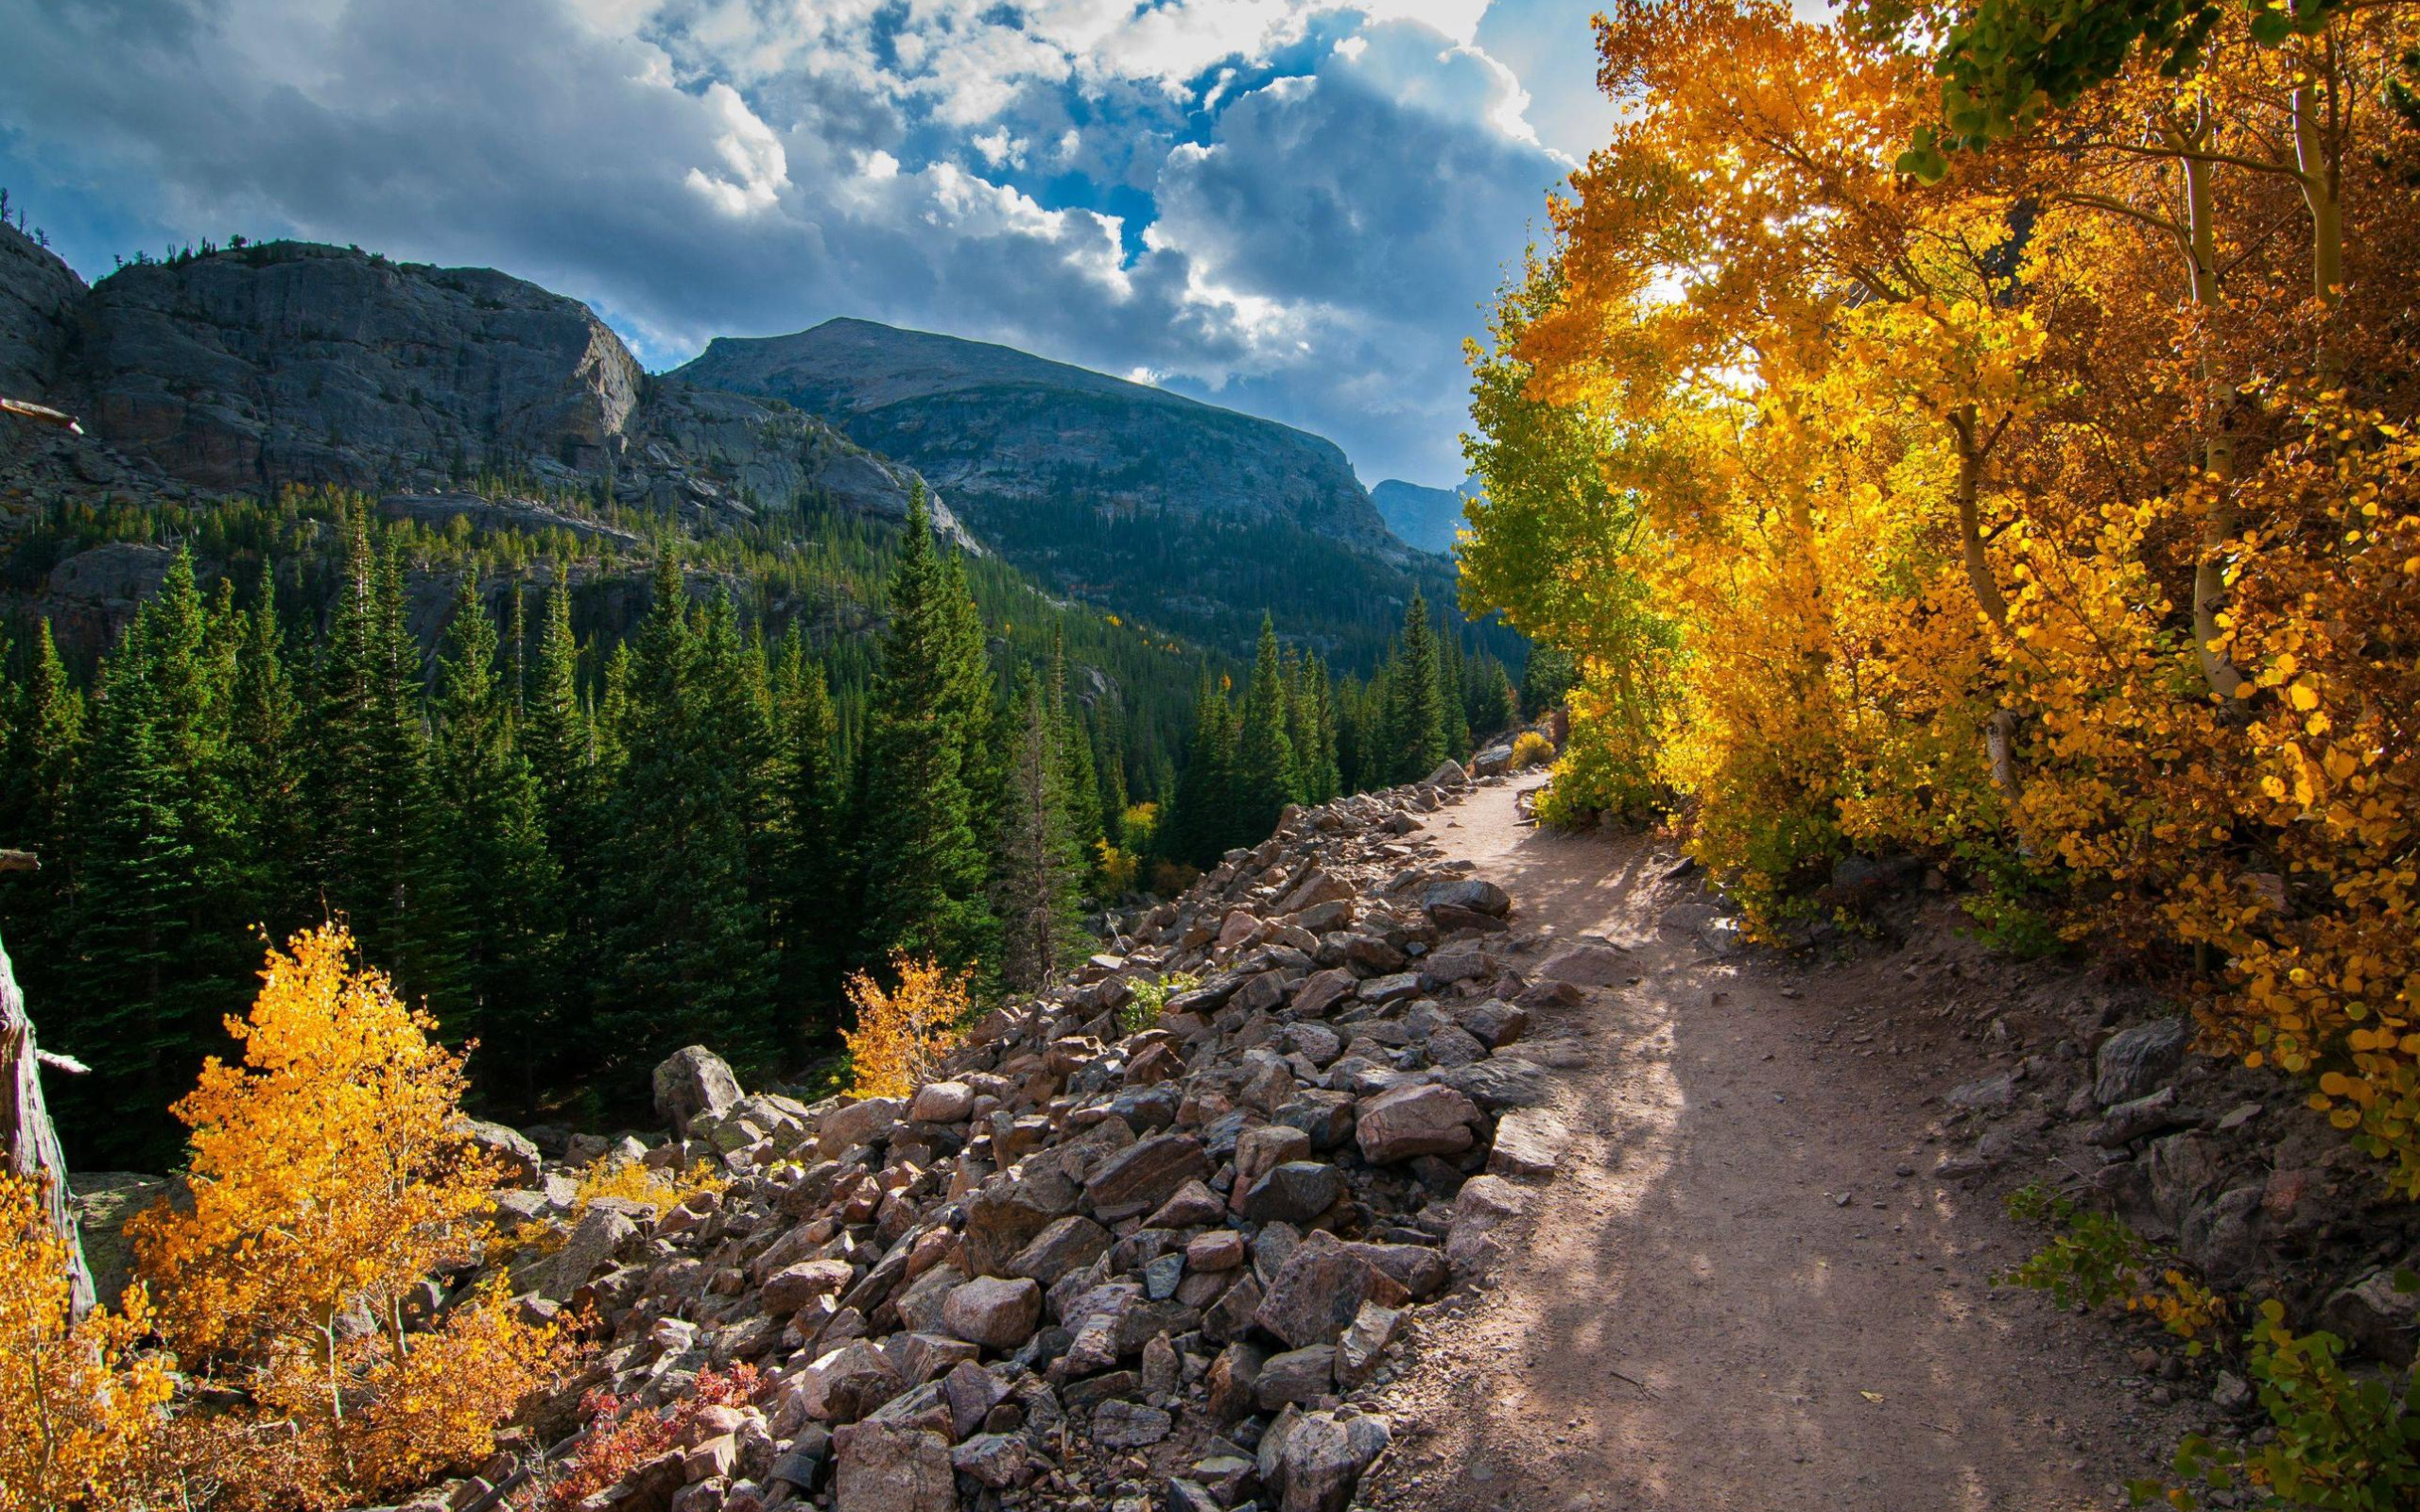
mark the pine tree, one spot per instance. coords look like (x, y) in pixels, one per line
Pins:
(1322, 780)
(1264, 769)
(1079, 781)
(505, 876)
(1415, 701)
(922, 863)
(39, 751)
(380, 860)
(1041, 871)
(265, 769)
(1302, 722)
(1202, 826)
(813, 888)
(687, 949)
(1451, 691)
(155, 935)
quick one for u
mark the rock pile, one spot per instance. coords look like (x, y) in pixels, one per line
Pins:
(1145, 1258)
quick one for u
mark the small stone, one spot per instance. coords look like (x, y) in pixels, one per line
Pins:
(1318, 1459)
(888, 1469)
(1129, 1425)
(2133, 1063)
(1194, 1204)
(1300, 1376)
(1219, 1249)
(1357, 1352)
(691, 1082)
(1530, 1141)
(1296, 1193)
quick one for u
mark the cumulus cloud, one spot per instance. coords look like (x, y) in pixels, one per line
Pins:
(1290, 205)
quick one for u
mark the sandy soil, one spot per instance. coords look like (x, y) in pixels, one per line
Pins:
(1745, 1290)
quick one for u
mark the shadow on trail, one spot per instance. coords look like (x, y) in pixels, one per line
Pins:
(1699, 1320)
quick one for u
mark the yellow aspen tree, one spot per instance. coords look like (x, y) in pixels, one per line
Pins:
(329, 1177)
(79, 1411)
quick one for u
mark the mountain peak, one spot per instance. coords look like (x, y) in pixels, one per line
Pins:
(1083, 477)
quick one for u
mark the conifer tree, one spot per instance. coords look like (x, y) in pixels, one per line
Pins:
(1079, 781)
(381, 861)
(1451, 691)
(1202, 824)
(687, 955)
(264, 767)
(505, 875)
(1041, 871)
(1302, 721)
(1326, 780)
(154, 930)
(813, 893)
(1415, 701)
(921, 864)
(38, 749)
(1264, 763)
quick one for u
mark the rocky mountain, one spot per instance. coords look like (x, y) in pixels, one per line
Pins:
(1145, 501)
(291, 363)
(37, 297)
(465, 394)
(1426, 517)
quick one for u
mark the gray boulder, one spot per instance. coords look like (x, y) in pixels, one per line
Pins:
(1317, 1461)
(888, 1468)
(2135, 1063)
(690, 1082)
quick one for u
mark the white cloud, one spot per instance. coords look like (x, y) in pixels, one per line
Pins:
(757, 169)
(1294, 205)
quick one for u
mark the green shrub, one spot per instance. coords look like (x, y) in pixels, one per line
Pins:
(1142, 1011)
(2342, 1443)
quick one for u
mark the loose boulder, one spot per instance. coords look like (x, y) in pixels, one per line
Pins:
(690, 1082)
(993, 1312)
(1408, 1121)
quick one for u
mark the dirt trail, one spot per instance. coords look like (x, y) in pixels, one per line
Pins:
(1745, 1290)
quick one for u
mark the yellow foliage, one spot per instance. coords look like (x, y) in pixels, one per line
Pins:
(1119, 868)
(327, 1182)
(79, 1414)
(903, 1033)
(1991, 519)
(1530, 749)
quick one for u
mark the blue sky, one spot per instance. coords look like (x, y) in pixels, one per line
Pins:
(1294, 207)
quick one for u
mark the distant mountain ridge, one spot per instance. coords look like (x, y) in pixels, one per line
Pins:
(253, 367)
(1427, 518)
(1146, 502)
(995, 420)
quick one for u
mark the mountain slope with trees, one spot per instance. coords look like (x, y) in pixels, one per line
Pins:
(597, 756)
(1151, 504)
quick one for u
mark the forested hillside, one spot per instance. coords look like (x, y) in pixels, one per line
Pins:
(1147, 504)
(630, 714)
(2004, 459)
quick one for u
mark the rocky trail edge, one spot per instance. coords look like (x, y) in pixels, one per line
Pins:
(1747, 1286)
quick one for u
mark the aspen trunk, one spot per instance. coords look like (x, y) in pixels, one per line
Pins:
(2218, 447)
(31, 1144)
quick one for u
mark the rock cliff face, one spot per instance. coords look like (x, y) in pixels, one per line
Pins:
(38, 298)
(998, 424)
(1187, 516)
(295, 363)
(251, 368)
